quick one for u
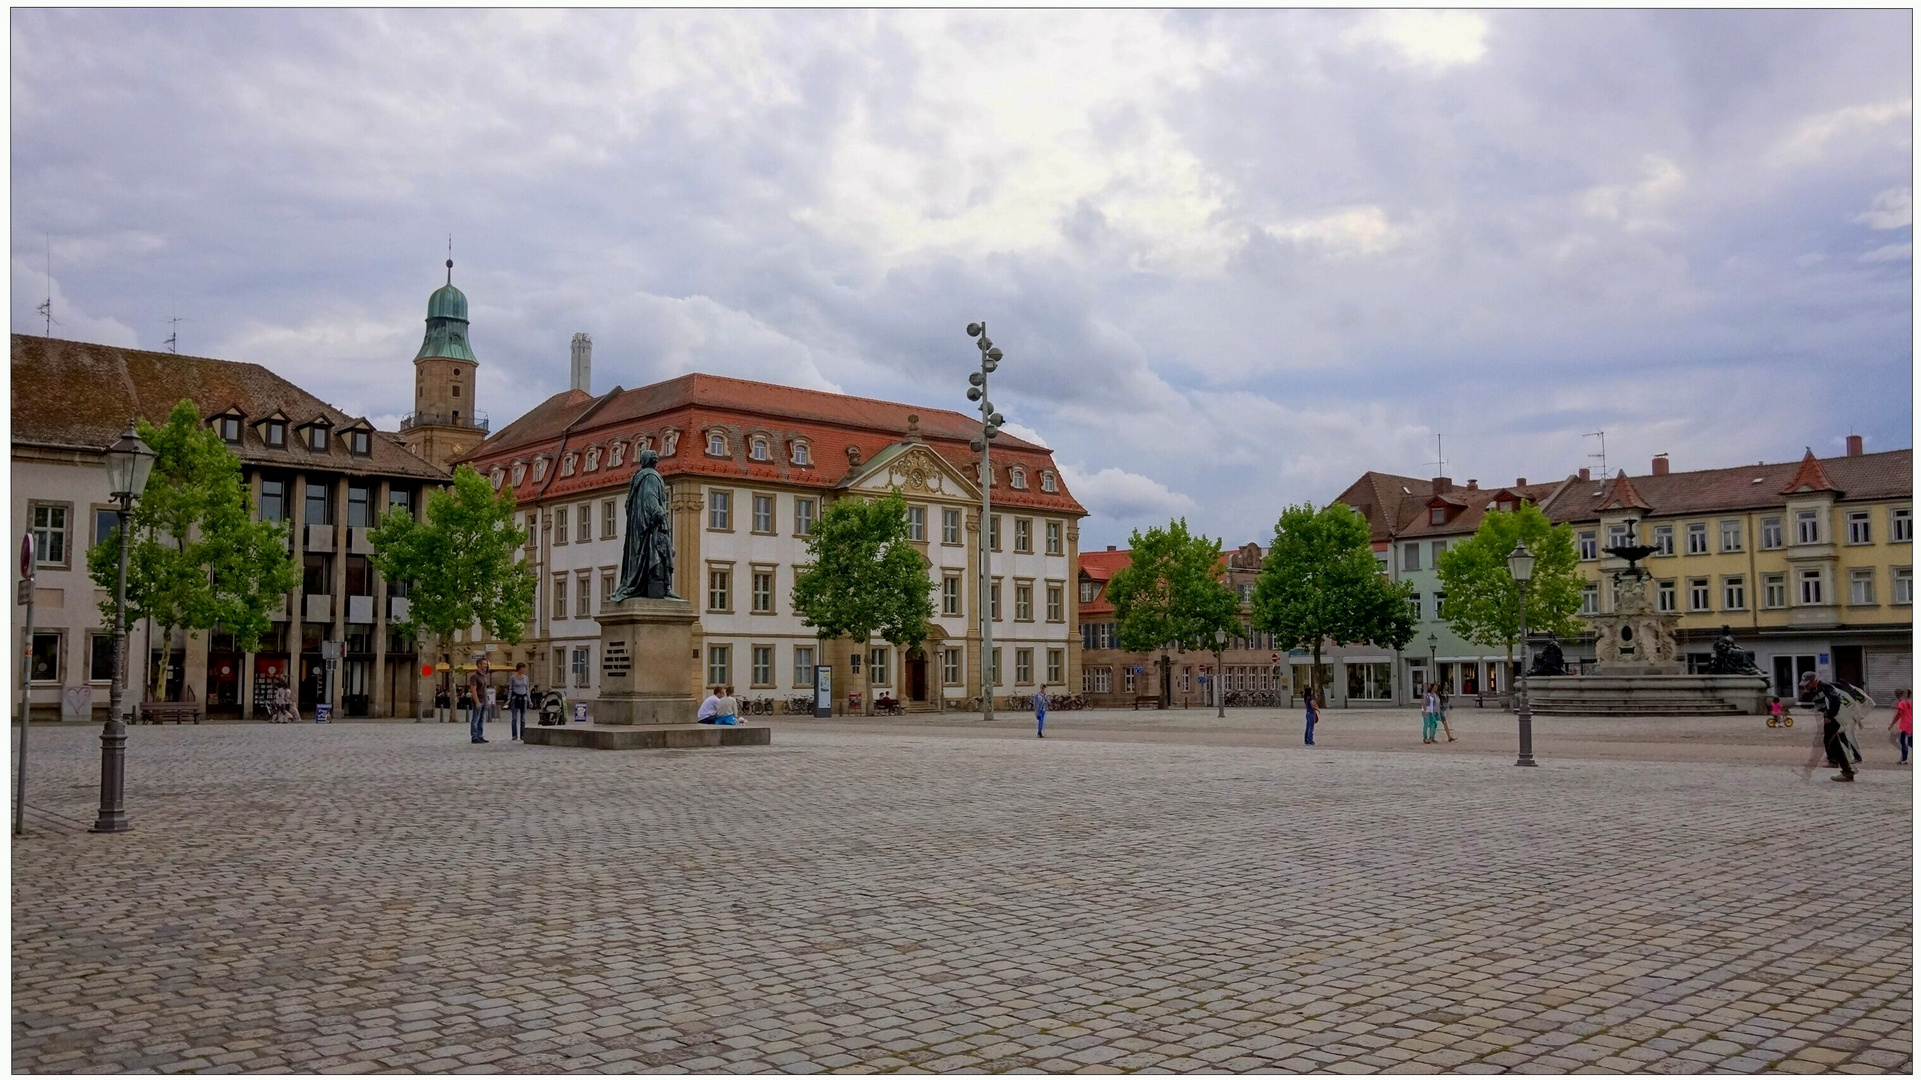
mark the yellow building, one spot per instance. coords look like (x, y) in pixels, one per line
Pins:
(1809, 564)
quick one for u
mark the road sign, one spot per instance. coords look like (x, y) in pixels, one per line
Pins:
(426, 670)
(24, 593)
(1276, 658)
(330, 650)
(26, 556)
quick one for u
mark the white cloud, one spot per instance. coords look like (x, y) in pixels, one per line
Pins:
(1435, 40)
(1119, 495)
(32, 286)
(1363, 230)
(1890, 253)
(1637, 205)
(1892, 209)
(1811, 138)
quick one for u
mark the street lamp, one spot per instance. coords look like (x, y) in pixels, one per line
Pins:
(129, 463)
(990, 430)
(1520, 563)
(1433, 662)
(1220, 693)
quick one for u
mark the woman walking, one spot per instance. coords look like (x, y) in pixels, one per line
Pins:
(1903, 723)
(517, 691)
(1430, 712)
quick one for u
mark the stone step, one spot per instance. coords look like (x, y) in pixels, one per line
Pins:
(648, 736)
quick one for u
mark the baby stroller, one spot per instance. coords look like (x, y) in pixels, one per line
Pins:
(553, 709)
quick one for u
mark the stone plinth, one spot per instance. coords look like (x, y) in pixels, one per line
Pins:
(647, 663)
(648, 736)
(1647, 695)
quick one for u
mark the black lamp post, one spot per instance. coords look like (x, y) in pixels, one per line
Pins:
(1520, 563)
(129, 463)
(990, 430)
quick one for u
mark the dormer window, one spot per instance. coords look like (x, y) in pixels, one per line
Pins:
(800, 454)
(669, 443)
(1047, 481)
(276, 433)
(593, 459)
(615, 453)
(757, 449)
(499, 476)
(567, 464)
(360, 443)
(1017, 478)
(317, 439)
(540, 468)
(520, 472)
(716, 444)
(229, 429)
(1505, 506)
(1437, 515)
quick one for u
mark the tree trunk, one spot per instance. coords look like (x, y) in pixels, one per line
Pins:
(1314, 677)
(867, 668)
(1167, 680)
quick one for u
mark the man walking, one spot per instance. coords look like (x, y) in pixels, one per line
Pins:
(478, 687)
(1040, 714)
(1825, 698)
(1313, 714)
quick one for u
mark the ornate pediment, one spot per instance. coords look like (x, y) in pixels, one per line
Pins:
(916, 470)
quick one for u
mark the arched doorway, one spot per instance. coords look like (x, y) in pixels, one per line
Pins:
(914, 672)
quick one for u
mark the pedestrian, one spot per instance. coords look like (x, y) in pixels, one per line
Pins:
(1313, 715)
(1040, 714)
(1827, 700)
(709, 707)
(1778, 712)
(729, 713)
(1447, 706)
(1855, 704)
(518, 692)
(477, 692)
(1903, 723)
(1430, 713)
(284, 710)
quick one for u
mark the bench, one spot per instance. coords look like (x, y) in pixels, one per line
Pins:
(178, 712)
(1153, 700)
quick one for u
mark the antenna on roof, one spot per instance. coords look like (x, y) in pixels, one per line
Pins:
(46, 306)
(1440, 461)
(173, 338)
(1603, 455)
(450, 258)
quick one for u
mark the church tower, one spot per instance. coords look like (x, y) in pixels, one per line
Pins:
(445, 424)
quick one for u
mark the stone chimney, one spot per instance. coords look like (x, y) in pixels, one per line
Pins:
(1443, 485)
(1584, 475)
(1473, 485)
(1520, 481)
(1110, 547)
(1854, 446)
(581, 377)
(1660, 464)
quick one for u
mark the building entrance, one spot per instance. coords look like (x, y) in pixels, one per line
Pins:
(916, 671)
(1787, 674)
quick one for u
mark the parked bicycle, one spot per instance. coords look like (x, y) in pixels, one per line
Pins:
(800, 704)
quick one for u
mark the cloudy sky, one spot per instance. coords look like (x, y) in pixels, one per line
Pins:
(1234, 258)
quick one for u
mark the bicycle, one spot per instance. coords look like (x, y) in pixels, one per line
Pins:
(800, 704)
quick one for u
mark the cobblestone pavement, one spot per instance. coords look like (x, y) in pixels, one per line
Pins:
(366, 897)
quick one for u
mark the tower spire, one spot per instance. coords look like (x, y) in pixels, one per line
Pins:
(450, 258)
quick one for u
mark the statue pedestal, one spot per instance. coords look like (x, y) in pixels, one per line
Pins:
(647, 663)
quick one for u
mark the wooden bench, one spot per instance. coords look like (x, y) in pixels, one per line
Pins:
(178, 712)
(1151, 700)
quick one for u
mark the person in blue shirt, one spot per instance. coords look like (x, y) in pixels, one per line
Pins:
(1313, 714)
(1040, 714)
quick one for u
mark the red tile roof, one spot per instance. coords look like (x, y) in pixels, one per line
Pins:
(1809, 477)
(1622, 496)
(1866, 477)
(831, 424)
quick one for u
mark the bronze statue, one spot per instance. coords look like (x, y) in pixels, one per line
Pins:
(1548, 661)
(1729, 658)
(647, 556)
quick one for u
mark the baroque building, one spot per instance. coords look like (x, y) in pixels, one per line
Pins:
(750, 467)
(446, 422)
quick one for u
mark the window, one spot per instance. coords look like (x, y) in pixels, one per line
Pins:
(1861, 585)
(1858, 530)
(1811, 587)
(560, 596)
(317, 439)
(583, 597)
(719, 589)
(1434, 550)
(615, 451)
(1017, 478)
(357, 500)
(609, 519)
(1440, 598)
(540, 468)
(1770, 533)
(1591, 598)
(606, 590)
(800, 454)
(1056, 610)
(757, 449)
(230, 429)
(99, 657)
(669, 443)
(1731, 536)
(994, 532)
(803, 517)
(1097, 635)
(950, 667)
(877, 667)
(1734, 593)
(1054, 539)
(761, 672)
(1098, 680)
(950, 595)
(720, 510)
(1023, 666)
(581, 656)
(1774, 590)
(1807, 527)
(764, 514)
(316, 575)
(917, 523)
(50, 533)
(1023, 602)
(1590, 546)
(584, 523)
(1056, 667)
(560, 525)
(1024, 534)
(277, 434)
(105, 520)
(1664, 596)
(763, 592)
(1410, 556)
(1047, 481)
(716, 444)
(1414, 606)
(1127, 679)
(950, 525)
(402, 500)
(720, 668)
(1901, 525)
(320, 503)
(1697, 538)
(1698, 594)
(994, 601)
(360, 444)
(1089, 590)
(1901, 584)
(803, 665)
(1437, 516)
(46, 656)
(1664, 540)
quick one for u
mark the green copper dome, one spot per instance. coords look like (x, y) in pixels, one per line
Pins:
(446, 324)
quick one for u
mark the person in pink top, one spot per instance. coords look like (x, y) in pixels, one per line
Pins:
(1903, 722)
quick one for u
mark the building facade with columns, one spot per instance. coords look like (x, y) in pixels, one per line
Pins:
(750, 466)
(327, 475)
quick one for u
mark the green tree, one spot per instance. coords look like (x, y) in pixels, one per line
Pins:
(459, 562)
(1321, 582)
(1171, 596)
(865, 577)
(196, 557)
(1483, 601)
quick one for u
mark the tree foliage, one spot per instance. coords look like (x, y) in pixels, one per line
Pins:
(459, 561)
(196, 557)
(1171, 595)
(1321, 582)
(1483, 601)
(865, 577)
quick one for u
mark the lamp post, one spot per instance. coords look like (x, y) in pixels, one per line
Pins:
(1520, 563)
(1433, 663)
(1220, 655)
(990, 430)
(129, 463)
